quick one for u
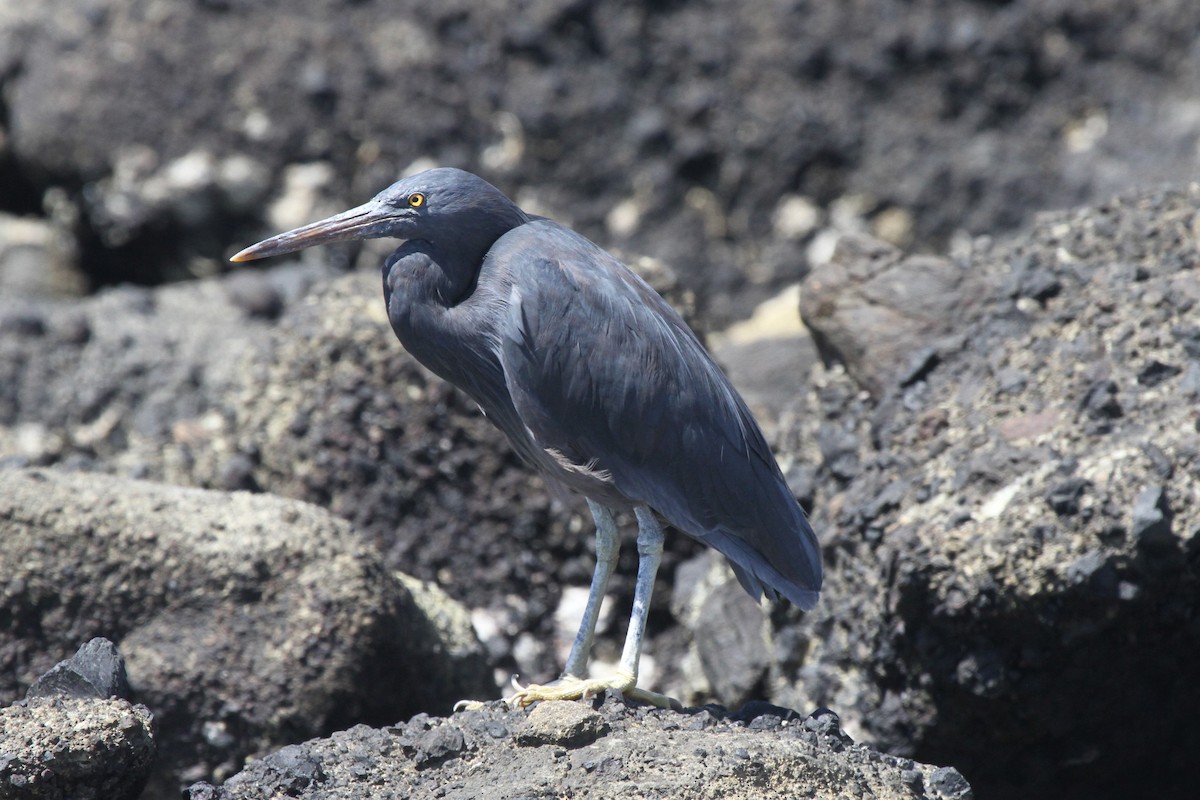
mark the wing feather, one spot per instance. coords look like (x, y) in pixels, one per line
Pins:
(602, 371)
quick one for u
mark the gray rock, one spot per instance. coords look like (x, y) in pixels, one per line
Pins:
(38, 259)
(1064, 497)
(626, 752)
(75, 748)
(882, 314)
(96, 670)
(567, 724)
(246, 621)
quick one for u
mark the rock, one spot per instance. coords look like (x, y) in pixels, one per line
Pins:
(246, 621)
(1151, 525)
(1064, 497)
(1100, 401)
(627, 751)
(426, 740)
(61, 747)
(881, 314)
(730, 642)
(962, 117)
(1032, 279)
(567, 724)
(1033, 533)
(38, 259)
(96, 670)
(1155, 372)
(460, 657)
(948, 783)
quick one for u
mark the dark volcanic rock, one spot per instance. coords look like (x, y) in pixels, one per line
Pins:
(881, 313)
(96, 670)
(129, 369)
(673, 128)
(626, 752)
(732, 644)
(1039, 552)
(246, 621)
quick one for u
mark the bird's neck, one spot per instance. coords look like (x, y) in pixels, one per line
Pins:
(458, 254)
(447, 337)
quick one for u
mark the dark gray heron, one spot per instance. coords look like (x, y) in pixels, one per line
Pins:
(595, 380)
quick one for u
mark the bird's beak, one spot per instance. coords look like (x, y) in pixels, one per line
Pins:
(365, 222)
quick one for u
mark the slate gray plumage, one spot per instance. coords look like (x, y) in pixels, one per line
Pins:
(595, 379)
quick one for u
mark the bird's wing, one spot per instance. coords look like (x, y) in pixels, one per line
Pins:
(604, 372)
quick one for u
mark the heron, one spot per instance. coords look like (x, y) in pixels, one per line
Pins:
(597, 383)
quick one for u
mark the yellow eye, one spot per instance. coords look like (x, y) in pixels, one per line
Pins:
(416, 200)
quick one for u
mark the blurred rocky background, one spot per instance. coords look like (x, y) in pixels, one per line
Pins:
(990, 406)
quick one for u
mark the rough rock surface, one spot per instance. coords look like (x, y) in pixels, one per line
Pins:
(882, 314)
(683, 130)
(1012, 540)
(246, 621)
(76, 736)
(74, 748)
(81, 384)
(595, 749)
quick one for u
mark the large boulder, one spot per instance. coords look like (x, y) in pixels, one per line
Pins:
(596, 749)
(1012, 534)
(247, 621)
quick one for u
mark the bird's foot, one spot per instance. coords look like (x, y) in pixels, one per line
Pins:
(569, 687)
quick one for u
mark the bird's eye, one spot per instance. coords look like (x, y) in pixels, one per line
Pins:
(416, 199)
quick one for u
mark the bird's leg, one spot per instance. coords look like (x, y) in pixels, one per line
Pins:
(650, 547)
(607, 547)
(571, 687)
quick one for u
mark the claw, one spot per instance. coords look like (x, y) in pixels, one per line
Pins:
(468, 705)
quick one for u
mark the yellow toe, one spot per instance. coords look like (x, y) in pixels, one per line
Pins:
(569, 687)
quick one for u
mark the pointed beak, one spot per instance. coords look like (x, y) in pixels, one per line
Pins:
(365, 222)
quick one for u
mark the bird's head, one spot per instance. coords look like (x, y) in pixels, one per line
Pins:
(440, 205)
